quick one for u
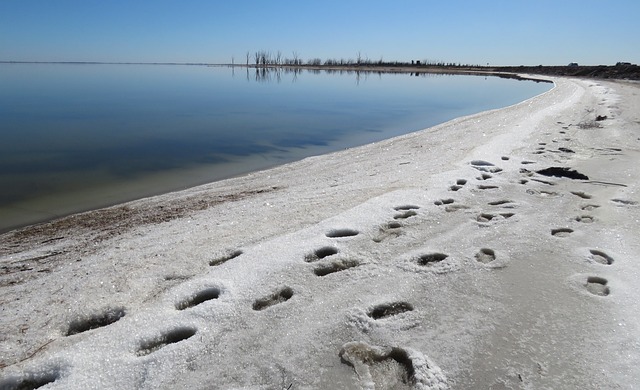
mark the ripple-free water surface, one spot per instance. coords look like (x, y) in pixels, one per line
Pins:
(79, 137)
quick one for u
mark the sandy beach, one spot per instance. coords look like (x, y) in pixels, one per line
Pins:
(494, 251)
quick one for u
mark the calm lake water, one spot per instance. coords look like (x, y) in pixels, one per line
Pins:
(80, 137)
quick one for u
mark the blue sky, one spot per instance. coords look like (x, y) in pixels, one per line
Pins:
(498, 32)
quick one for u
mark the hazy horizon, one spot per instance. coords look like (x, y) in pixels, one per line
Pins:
(494, 32)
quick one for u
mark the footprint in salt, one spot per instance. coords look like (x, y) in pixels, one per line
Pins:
(585, 218)
(542, 193)
(485, 166)
(485, 217)
(199, 297)
(561, 232)
(406, 211)
(430, 259)
(388, 231)
(32, 379)
(386, 310)
(156, 343)
(459, 184)
(485, 256)
(581, 194)
(342, 233)
(624, 202)
(441, 202)
(601, 257)
(450, 207)
(391, 367)
(597, 286)
(321, 253)
(505, 203)
(99, 320)
(487, 187)
(224, 258)
(455, 207)
(547, 182)
(335, 266)
(279, 296)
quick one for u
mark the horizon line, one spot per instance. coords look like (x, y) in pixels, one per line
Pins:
(273, 65)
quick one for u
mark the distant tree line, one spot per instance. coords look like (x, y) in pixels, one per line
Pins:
(268, 58)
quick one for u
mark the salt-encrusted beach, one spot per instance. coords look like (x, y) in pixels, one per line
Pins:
(439, 259)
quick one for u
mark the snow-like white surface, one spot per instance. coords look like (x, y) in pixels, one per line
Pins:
(432, 260)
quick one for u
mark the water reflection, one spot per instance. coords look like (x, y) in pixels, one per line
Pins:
(79, 137)
(264, 74)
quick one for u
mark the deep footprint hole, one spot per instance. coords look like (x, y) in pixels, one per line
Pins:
(625, 202)
(105, 318)
(366, 355)
(336, 266)
(394, 225)
(431, 258)
(339, 233)
(406, 207)
(584, 219)
(500, 202)
(486, 255)
(405, 215)
(486, 187)
(282, 295)
(597, 286)
(481, 163)
(225, 258)
(321, 253)
(172, 337)
(601, 257)
(484, 217)
(31, 381)
(402, 358)
(561, 232)
(581, 194)
(205, 295)
(389, 310)
(443, 201)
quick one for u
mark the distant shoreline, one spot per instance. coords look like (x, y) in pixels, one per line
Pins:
(110, 63)
(617, 72)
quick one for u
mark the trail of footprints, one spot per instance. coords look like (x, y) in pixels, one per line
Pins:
(411, 365)
(326, 262)
(595, 285)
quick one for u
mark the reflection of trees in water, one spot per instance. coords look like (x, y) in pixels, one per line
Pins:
(262, 74)
(270, 75)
